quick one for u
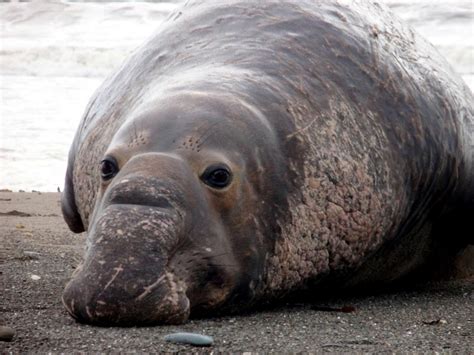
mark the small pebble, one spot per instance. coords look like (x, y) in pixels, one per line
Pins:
(32, 254)
(35, 277)
(435, 322)
(6, 333)
(189, 338)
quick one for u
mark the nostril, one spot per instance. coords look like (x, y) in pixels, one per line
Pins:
(130, 199)
(139, 192)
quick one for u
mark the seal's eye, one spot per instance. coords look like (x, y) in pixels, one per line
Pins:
(108, 168)
(217, 176)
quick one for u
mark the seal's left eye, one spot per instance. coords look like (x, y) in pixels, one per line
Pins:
(217, 176)
(108, 168)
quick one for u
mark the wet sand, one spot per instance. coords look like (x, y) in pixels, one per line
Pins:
(38, 254)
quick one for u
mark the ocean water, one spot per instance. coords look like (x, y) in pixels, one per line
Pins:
(54, 54)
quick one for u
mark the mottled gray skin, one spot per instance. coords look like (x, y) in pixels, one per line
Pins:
(350, 142)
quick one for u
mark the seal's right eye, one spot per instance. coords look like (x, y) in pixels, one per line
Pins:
(217, 176)
(108, 168)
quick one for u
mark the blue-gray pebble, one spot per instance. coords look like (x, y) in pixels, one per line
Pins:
(189, 338)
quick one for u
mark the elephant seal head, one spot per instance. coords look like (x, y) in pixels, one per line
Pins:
(191, 186)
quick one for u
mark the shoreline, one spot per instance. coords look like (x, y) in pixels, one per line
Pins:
(38, 254)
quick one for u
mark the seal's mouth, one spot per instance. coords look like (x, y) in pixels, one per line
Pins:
(125, 279)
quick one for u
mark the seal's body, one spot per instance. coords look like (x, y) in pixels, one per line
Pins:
(252, 148)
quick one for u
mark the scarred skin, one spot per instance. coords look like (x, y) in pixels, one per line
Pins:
(349, 141)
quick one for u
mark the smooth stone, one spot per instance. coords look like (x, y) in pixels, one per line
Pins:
(189, 338)
(6, 333)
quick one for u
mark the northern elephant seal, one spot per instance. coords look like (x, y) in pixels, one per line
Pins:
(255, 148)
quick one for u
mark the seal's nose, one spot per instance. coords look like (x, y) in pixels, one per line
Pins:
(125, 278)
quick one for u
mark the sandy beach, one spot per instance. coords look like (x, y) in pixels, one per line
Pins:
(38, 254)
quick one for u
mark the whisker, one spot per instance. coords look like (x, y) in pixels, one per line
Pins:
(215, 256)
